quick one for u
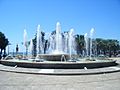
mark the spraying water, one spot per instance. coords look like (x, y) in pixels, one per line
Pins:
(58, 39)
(70, 42)
(86, 43)
(39, 43)
(38, 40)
(66, 37)
(25, 38)
(31, 46)
(25, 43)
(52, 44)
(58, 43)
(91, 36)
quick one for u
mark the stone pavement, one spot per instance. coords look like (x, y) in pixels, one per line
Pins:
(20, 81)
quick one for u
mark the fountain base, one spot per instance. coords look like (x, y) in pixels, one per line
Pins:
(59, 65)
(54, 57)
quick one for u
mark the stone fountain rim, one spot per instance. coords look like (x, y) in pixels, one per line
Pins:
(59, 65)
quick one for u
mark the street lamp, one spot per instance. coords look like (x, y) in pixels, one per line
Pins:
(8, 47)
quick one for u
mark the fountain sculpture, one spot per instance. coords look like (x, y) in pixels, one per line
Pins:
(59, 45)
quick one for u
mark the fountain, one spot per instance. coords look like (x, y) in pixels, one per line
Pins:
(60, 49)
(57, 46)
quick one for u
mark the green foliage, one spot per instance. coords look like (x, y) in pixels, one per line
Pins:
(3, 42)
(80, 43)
(109, 47)
(35, 41)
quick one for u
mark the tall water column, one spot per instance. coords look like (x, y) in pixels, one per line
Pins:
(59, 45)
(25, 42)
(66, 37)
(71, 42)
(39, 43)
(86, 43)
(91, 37)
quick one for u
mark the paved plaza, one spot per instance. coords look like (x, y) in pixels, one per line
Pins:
(17, 81)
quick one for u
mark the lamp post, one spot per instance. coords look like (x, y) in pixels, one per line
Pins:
(8, 48)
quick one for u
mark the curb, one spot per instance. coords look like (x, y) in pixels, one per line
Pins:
(75, 73)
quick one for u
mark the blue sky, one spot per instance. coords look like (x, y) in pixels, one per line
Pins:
(82, 15)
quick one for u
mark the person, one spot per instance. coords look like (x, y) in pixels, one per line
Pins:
(0, 57)
(17, 49)
(46, 45)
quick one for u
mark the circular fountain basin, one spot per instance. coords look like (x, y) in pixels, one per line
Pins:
(58, 64)
(54, 57)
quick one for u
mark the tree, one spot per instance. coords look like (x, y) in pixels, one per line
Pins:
(113, 47)
(35, 43)
(3, 43)
(34, 46)
(100, 45)
(80, 44)
(107, 46)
